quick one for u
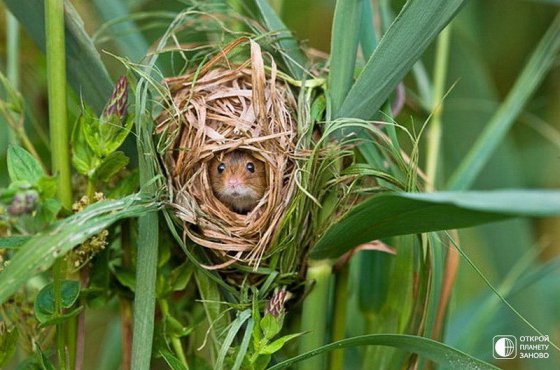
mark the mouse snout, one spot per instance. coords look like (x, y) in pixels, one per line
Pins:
(233, 182)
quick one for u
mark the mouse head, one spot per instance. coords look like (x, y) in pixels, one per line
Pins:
(238, 179)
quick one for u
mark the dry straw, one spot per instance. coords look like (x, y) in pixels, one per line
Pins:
(221, 107)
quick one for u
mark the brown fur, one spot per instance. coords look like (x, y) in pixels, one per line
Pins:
(250, 187)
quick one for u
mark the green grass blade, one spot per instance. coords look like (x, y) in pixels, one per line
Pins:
(411, 213)
(292, 55)
(406, 39)
(145, 297)
(368, 38)
(344, 45)
(126, 33)
(86, 72)
(541, 61)
(232, 333)
(244, 345)
(148, 237)
(439, 353)
(40, 252)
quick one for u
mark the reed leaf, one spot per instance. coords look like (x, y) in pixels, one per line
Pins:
(39, 253)
(410, 34)
(86, 72)
(439, 353)
(542, 59)
(411, 213)
(291, 53)
(345, 35)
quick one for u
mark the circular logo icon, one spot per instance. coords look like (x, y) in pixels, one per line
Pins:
(504, 347)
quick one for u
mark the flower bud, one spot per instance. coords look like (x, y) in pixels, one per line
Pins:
(116, 106)
(275, 306)
(23, 202)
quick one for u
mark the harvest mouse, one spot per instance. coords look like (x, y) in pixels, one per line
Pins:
(238, 180)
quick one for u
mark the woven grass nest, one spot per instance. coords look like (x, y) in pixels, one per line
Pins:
(220, 108)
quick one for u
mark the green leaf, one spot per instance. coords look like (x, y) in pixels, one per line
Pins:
(113, 133)
(47, 186)
(8, 345)
(86, 72)
(40, 252)
(44, 302)
(232, 332)
(411, 213)
(542, 59)
(126, 277)
(126, 186)
(368, 38)
(291, 53)
(175, 328)
(84, 158)
(171, 360)
(344, 45)
(277, 345)
(111, 165)
(123, 31)
(418, 23)
(437, 352)
(242, 353)
(13, 242)
(270, 326)
(56, 319)
(22, 166)
(180, 276)
(43, 217)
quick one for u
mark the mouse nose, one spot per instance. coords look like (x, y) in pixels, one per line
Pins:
(233, 182)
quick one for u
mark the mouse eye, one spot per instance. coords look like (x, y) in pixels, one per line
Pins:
(221, 167)
(250, 167)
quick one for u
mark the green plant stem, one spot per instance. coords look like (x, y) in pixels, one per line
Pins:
(175, 341)
(435, 130)
(315, 312)
(90, 190)
(56, 75)
(12, 56)
(12, 50)
(339, 316)
(60, 335)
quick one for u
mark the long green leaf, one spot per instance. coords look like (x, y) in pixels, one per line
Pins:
(125, 33)
(541, 61)
(410, 34)
(40, 252)
(232, 333)
(148, 225)
(410, 213)
(86, 72)
(344, 45)
(148, 239)
(368, 38)
(427, 348)
(291, 53)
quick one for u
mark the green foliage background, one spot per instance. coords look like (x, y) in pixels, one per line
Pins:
(491, 42)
